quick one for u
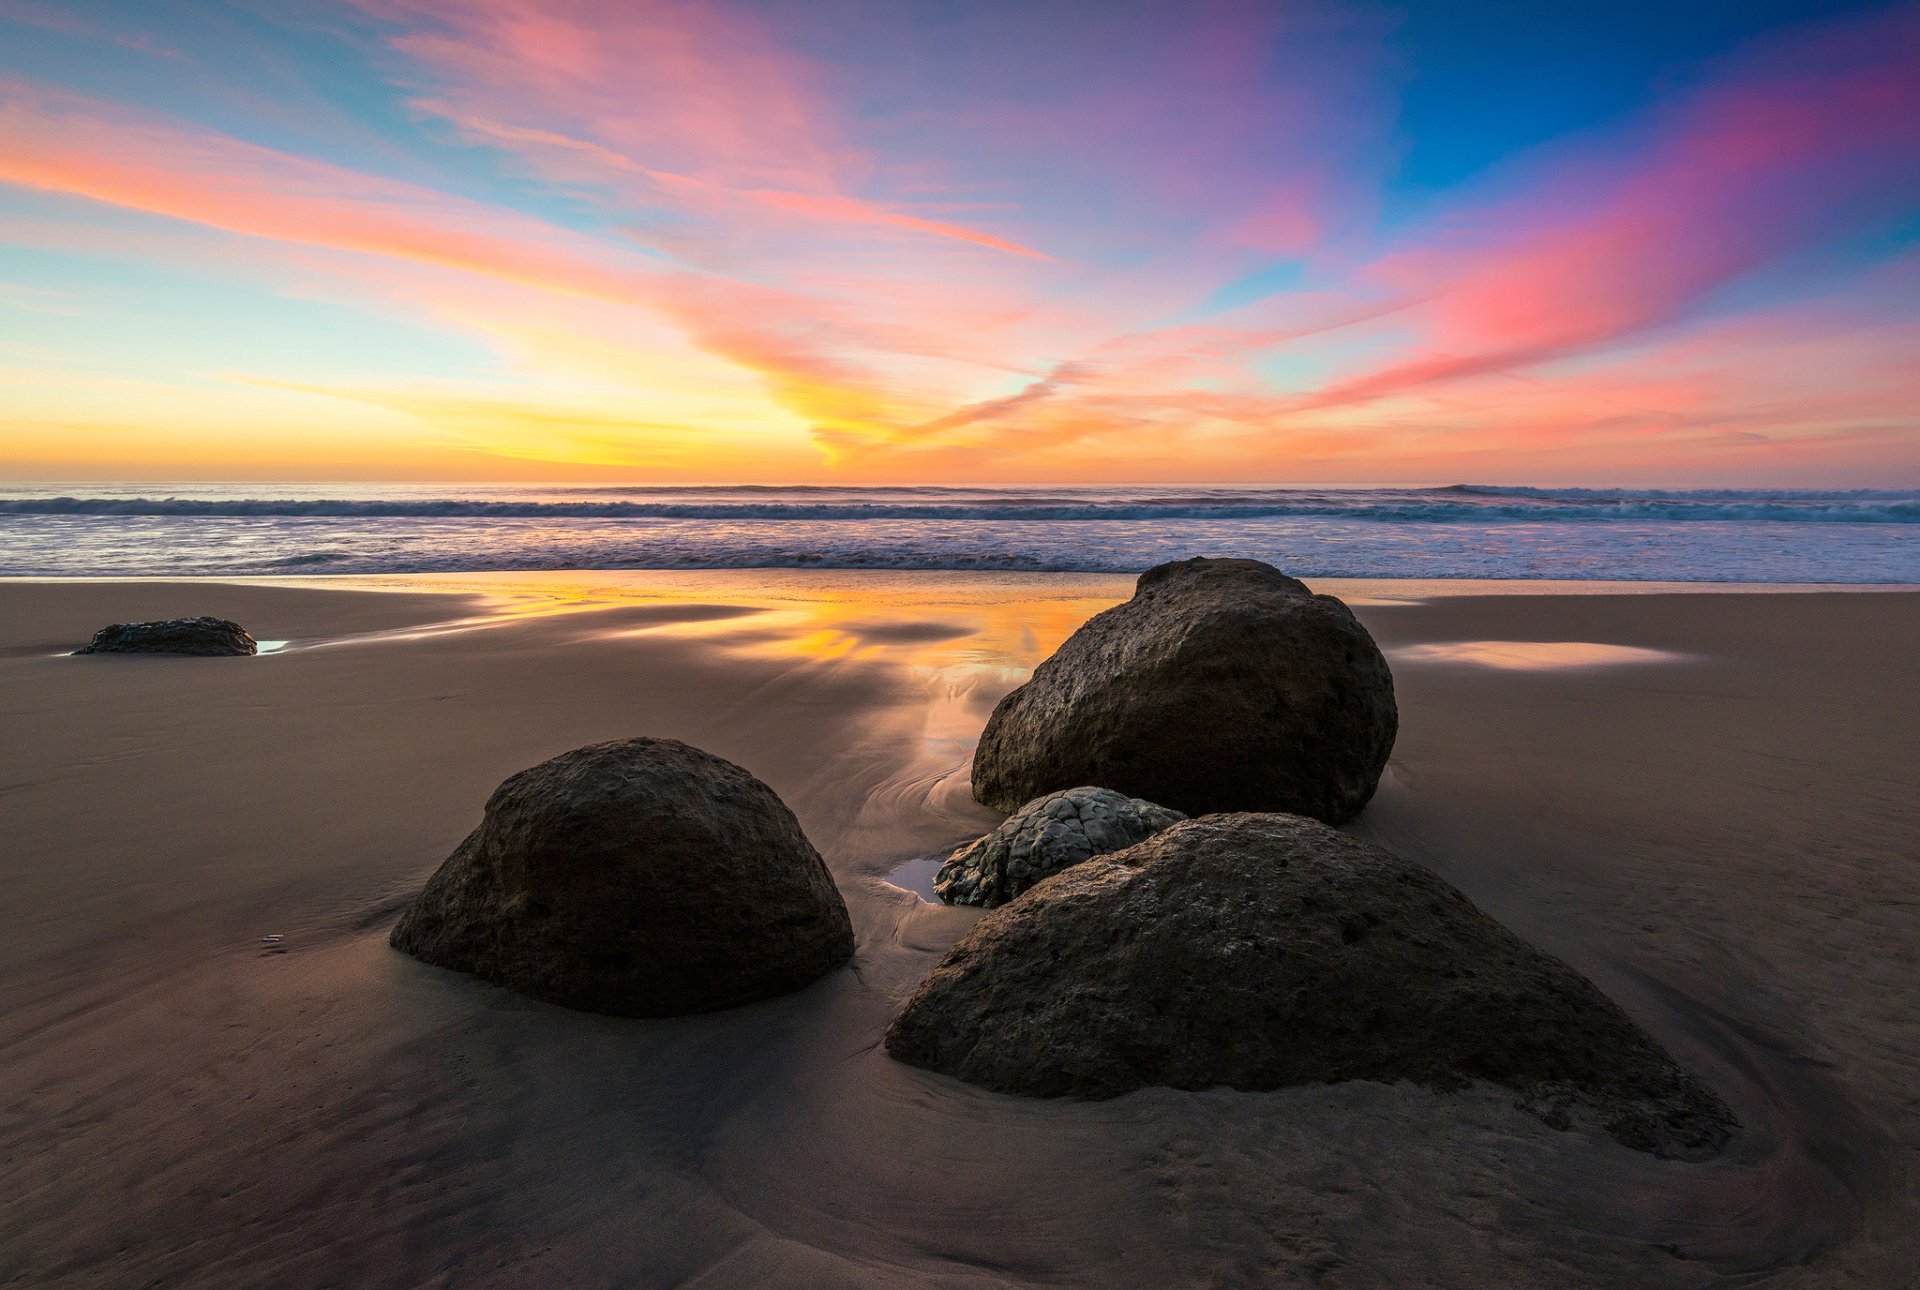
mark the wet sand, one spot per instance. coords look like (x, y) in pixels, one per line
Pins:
(1716, 815)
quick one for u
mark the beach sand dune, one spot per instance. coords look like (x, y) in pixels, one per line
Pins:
(1723, 834)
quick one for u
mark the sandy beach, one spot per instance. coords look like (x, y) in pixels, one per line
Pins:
(1706, 801)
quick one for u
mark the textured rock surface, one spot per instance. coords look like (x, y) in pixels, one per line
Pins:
(641, 877)
(1043, 837)
(203, 636)
(1222, 685)
(1259, 951)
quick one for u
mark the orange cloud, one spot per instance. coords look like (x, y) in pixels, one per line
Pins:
(817, 358)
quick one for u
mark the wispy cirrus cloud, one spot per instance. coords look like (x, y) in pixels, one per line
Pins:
(584, 161)
(66, 143)
(722, 115)
(1746, 174)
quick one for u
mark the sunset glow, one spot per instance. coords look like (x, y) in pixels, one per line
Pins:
(687, 242)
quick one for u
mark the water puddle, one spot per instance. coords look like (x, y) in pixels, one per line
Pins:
(1532, 656)
(917, 875)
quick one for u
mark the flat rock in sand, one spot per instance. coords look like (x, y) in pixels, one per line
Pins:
(204, 637)
(1223, 685)
(641, 877)
(1043, 837)
(1261, 951)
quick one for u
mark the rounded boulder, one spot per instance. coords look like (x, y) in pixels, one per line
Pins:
(1222, 685)
(641, 877)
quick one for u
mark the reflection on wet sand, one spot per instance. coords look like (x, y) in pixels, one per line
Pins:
(1531, 656)
(928, 621)
(930, 618)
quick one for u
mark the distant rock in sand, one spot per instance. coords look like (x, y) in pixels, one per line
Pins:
(1260, 951)
(201, 636)
(1043, 837)
(1222, 685)
(641, 877)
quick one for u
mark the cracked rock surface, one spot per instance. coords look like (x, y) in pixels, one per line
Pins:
(1043, 837)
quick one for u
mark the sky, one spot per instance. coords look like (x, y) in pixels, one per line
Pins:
(910, 241)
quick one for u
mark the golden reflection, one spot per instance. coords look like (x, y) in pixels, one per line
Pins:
(951, 629)
(925, 618)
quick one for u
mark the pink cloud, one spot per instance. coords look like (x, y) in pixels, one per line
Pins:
(690, 87)
(846, 210)
(67, 144)
(583, 160)
(1287, 222)
(1743, 177)
(696, 100)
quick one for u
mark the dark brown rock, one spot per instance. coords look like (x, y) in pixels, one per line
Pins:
(206, 637)
(641, 877)
(1260, 951)
(1222, 685)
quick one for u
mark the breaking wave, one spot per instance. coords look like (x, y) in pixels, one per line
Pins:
(1459, 503)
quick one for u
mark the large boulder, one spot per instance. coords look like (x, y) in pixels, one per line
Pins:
(1222, 685)
(1260, 951)
(1042, 838)
(641, 877)
(201, 636)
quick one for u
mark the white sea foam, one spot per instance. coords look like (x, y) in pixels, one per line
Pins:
(1464, 531)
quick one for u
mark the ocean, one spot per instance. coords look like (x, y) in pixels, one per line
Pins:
(1462, 531)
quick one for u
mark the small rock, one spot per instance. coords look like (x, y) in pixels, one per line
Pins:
(1043, 837)
(206, 637)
